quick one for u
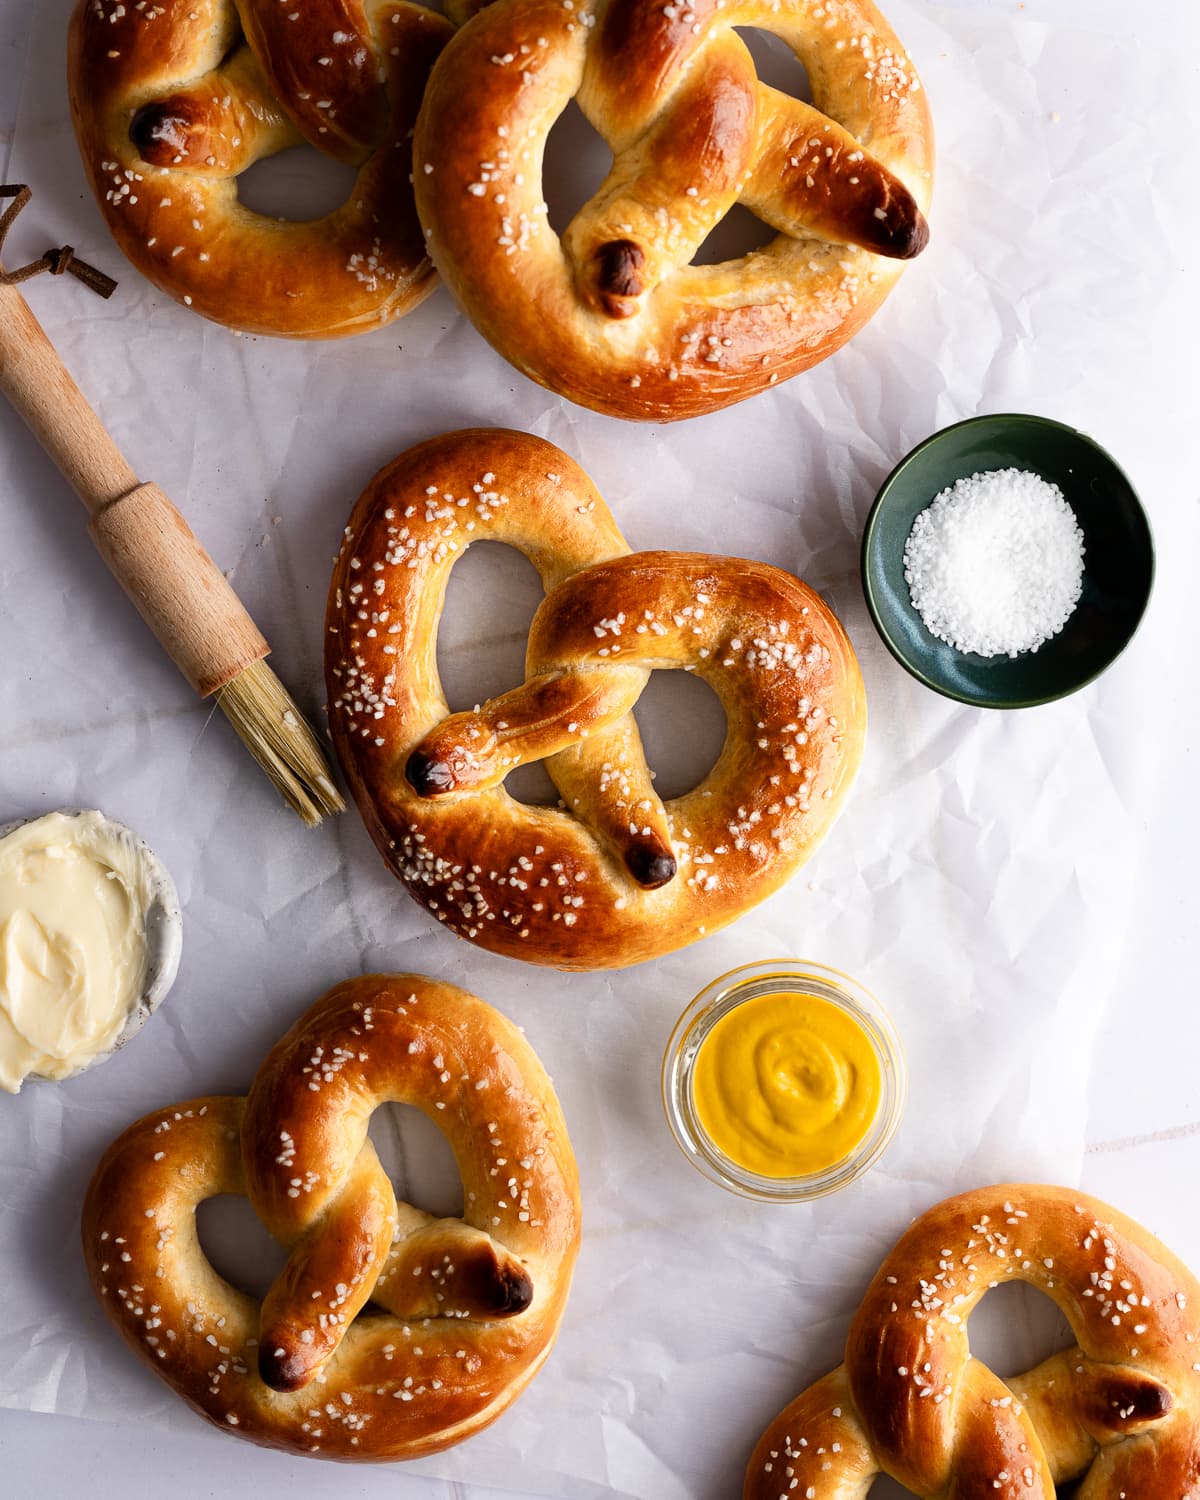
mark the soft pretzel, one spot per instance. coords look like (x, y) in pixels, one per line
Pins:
(472, 1305)
(614, 875)
(172, 100)
(614, 316)
(1120, 1412)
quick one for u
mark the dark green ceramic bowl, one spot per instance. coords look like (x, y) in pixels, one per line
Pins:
(1118, 560)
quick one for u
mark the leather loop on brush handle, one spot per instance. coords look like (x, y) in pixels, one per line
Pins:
(178, 589)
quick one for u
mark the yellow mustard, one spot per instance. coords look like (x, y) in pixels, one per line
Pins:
(786, 1084)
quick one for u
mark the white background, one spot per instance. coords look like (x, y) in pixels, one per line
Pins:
(1046, 1039)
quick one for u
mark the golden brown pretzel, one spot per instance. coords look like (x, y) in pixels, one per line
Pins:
(1121, 1409)
(614, 875)
(472, 1305)
(615, 317)
(172, 100)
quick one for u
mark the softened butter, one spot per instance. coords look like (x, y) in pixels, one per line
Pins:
(75, 893)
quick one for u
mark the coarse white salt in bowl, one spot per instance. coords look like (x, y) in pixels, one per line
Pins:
(994, 564)
(1117, 557)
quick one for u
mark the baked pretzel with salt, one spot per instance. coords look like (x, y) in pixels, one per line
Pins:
(472, 1305)
(615, 316)
(1119, 1413)
(173, 100)
(614, 875)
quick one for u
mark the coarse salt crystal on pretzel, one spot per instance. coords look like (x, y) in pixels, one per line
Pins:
(614, 875)
(1119, 1411)
(472, 1305)
(615, 316)
(173, 100)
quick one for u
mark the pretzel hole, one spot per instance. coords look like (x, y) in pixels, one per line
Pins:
(491, 598)
(775, 63)
(300, 184)
(886, 1488)
(236, 1244)
(1015, 1327)
(417, 1157)
(575, 163)
(683, 728)
(737, 234)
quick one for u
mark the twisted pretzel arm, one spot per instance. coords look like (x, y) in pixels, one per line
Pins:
(471, 1275)
(218, 126)
(335, 1264)
(584, 718)
(1078, 1406)
(670, 183)
(606, 783)
(813, 177)
(475, 750)
(326, 52)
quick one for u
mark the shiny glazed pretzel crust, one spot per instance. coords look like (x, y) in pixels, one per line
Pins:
(472, 1304)
(614, 875)
(1119, 1412)
(614, 316)
(173, 99)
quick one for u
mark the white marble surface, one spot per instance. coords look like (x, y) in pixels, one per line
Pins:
(1133, 1133)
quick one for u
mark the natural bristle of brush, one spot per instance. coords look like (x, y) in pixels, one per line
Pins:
(279, 737)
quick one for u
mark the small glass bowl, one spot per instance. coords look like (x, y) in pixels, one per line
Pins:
(734, 989)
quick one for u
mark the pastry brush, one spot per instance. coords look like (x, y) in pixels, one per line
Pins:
(150, 549)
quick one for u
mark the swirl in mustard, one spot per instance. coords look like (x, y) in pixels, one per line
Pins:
(786, 1084)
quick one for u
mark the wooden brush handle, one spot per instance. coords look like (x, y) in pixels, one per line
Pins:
(178, 589)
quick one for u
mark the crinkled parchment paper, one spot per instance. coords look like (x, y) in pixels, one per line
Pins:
(979, 880)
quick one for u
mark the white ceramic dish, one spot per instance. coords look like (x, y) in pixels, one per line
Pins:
(164, 932)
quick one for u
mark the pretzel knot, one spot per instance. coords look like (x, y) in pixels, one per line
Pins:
(1120, 1412)
(472, 1305)
(616, 317)
(173, 100)
(614, 875)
